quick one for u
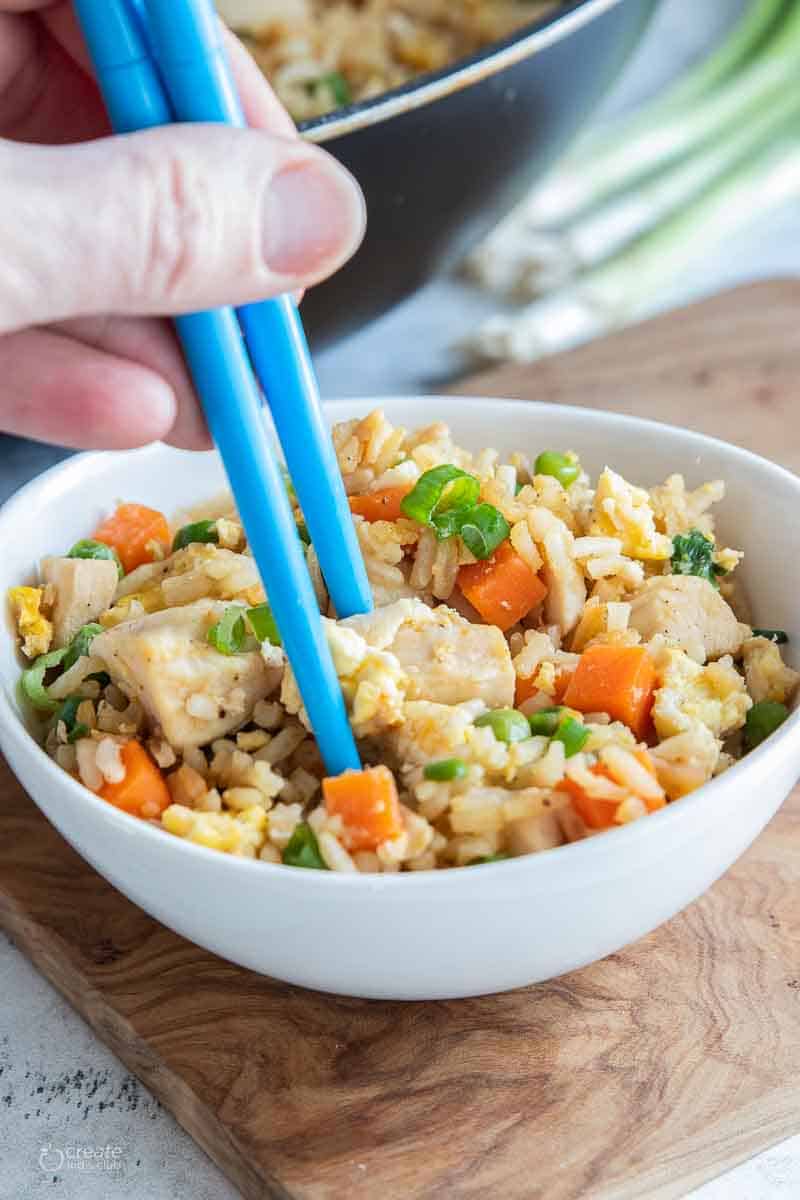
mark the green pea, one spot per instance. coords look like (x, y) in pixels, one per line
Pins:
(566, 470)
(545, 722)
(506, 724)
(573, 735)
(446, 770)
(762, 720)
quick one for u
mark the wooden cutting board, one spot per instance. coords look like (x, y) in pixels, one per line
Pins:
(641, 1076)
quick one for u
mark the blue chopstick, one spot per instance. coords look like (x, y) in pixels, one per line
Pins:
(223, 376)
(186, 40)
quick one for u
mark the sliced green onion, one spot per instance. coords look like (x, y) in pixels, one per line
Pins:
(440, 493)
(88, 548)
(573, 735)
(33, 679)
(81, 644)
(546, 721)
(764, 49)
(483, 528)
(762, 720)
(444, 498)
(335, 83)
(198, 531)
(693, 554)
(506, 724)
(263, 624)
(500, 856)
(779, 636)
(620, 289)
(566, 470)
(445, 770)
(67, 713)
(302, 849)
(229, 633)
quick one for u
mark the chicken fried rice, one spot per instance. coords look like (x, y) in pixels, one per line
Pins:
(549, 657)
(320, 55)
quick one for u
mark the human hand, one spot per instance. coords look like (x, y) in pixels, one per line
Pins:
(100, 236)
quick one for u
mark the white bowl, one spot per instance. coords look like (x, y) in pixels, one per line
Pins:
(437, 934)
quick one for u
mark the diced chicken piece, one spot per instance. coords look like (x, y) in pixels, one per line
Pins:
(83, 588)
(528, 835)
(446, 658)
(689, 613)
(768, 677)
(566, 590)
(190, 691)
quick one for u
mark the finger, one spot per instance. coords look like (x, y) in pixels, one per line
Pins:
(26, 6)
(45, 96)
(262, 108)
(151, 224)
(154, 345)
(58, 390)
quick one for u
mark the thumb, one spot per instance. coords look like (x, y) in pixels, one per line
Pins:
(173, 220)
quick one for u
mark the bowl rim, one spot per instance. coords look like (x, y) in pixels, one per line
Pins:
(532, 38)
(587, 851)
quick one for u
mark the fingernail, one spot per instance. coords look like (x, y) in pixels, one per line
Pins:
(315, 218)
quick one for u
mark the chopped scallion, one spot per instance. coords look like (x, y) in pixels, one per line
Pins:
(33, 679)
(198, 531)
(81, 644)
(762, 720)
(263, 625)
(229, 633)
(302, 849)
(67, 713)
(778, 636)
(482, 530)
(546, 721)
(693, 554)
(572, 734)
(334, 83)
(88, 548)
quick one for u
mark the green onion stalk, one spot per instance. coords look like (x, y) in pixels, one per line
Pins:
(532, 266)
(723, 93)
(627, 286)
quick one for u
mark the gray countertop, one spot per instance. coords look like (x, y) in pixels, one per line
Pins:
(60, 1088)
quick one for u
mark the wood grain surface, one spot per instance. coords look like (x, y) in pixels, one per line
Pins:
(640, 1076)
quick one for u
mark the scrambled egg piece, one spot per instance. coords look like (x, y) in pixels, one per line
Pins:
(373, 682)
(242, 834)
(32, 626)
(690, 695)
(623, 511)
(768, 677)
